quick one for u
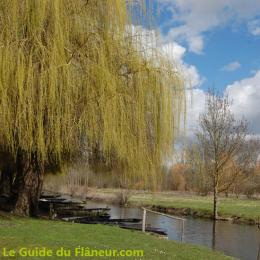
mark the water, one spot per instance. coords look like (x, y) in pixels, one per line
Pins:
(240, 241)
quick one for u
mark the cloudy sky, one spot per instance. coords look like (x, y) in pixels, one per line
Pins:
(216, 44)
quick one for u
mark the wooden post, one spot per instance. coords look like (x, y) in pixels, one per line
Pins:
(258, 255)
(182, 230)
(51, 212)
(144, 220)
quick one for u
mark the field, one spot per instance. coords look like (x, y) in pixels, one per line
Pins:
(17, 233)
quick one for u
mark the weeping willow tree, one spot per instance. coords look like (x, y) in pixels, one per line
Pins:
(70, 73)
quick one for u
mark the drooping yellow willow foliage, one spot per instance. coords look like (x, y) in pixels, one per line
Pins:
(70, 72)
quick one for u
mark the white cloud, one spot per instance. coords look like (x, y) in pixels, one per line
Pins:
(196, 100)
(192, 18)
(148, 41)
(245, 96)
(196, 44)
(254, 27)
(175, 53)
(232, 66)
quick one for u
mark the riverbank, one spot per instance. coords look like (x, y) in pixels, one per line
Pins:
(17, 233)
(242, 210)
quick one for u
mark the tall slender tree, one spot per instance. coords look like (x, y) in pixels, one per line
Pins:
(71, 73)
(221, 138)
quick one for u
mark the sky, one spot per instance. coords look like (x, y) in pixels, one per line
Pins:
(216, 44)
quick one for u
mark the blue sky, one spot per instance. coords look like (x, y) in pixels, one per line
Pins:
(217, 44)
(225, 46)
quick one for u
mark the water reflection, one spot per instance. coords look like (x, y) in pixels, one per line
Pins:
(241, 241)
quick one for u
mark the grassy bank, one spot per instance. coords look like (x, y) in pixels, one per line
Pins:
(239, 209)
(16, 233)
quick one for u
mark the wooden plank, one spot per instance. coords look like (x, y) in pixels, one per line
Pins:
(163, 214)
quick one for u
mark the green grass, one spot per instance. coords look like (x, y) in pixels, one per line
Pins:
(246, 209)
(243, 208)
(23, 232)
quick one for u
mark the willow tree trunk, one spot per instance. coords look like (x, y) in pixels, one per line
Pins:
(28, 186)
(6, 181)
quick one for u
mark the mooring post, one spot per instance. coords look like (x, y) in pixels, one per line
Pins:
(51, 212)
(144, 220)
(182, 230)
(258, 254)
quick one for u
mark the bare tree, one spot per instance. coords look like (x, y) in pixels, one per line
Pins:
(221, 139)
(199, 180)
